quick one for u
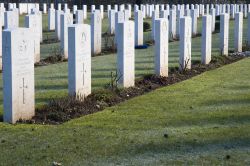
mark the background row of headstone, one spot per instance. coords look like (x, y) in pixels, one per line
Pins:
(25, 8)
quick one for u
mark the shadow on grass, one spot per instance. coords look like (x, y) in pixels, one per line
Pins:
(51, 87)
(191, 147)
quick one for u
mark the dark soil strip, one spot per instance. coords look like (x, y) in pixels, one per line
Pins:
(58, 111)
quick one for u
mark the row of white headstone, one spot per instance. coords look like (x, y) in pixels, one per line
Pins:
(147, 9)
(19, 55)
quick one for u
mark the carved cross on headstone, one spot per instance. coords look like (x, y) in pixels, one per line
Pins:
(23, 87)
(83, 71)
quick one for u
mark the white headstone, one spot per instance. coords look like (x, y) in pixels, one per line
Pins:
(18, 75)
(79, 17)
(172, 24)
(138, 28)
(79, 60)
(126, 15)
(59, 6)
(185, 43)
(224, 30)
(92, 8)
(84, 8)
(232, 11)
(154, 17)
(213, 19)
(163, 14)
(194, 21)
(206, 41)
(32, 22)
(126, 54)
(10, 20)
(238, 32)
(39, 15)
(44, 8)
(111, 17)
(102, 11)
(58, 24)
(161, 47)
(74, 9)
(66, 20)
(119, 18)
(96, 32)
(51, 19)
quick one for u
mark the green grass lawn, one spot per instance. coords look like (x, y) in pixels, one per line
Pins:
(206, 119)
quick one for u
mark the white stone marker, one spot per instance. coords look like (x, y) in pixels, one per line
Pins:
(10, 20)
(194, 21)
(116, 8)
(232, 11)
(18, 75)
(126, 54)
(85, 10)
(164, 14)
(238, 32)
(248, 29)
(74, 9)
(52, 6)
(138, 28)
(161, 47)
(102, 11)
(185, 43)
(172, 24)
(119, 18)
(79, 17)
(44, 8)
(58, 24)
(92, 8)
(79, 60)
(154, 17)
(180, 14)
(224, 29)
(39, 15)
(66, 20)
(213, 19)
(206, 41)
(111, 18)
(126, 15)
(108, 8)
(96, 32)
(51, 19)
(2, 11)
(32, 22)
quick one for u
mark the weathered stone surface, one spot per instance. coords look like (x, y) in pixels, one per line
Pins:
(185, 43)
(96, 32)
(79, 60)
(66, 20)
(224, 30)
(18, 75)
(138, 28)
(238, 32)
(51, 19)
(161, 47)
(126, 54)
(206, 41)
(32, 22)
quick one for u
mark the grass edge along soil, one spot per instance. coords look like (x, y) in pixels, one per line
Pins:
(58, 111)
